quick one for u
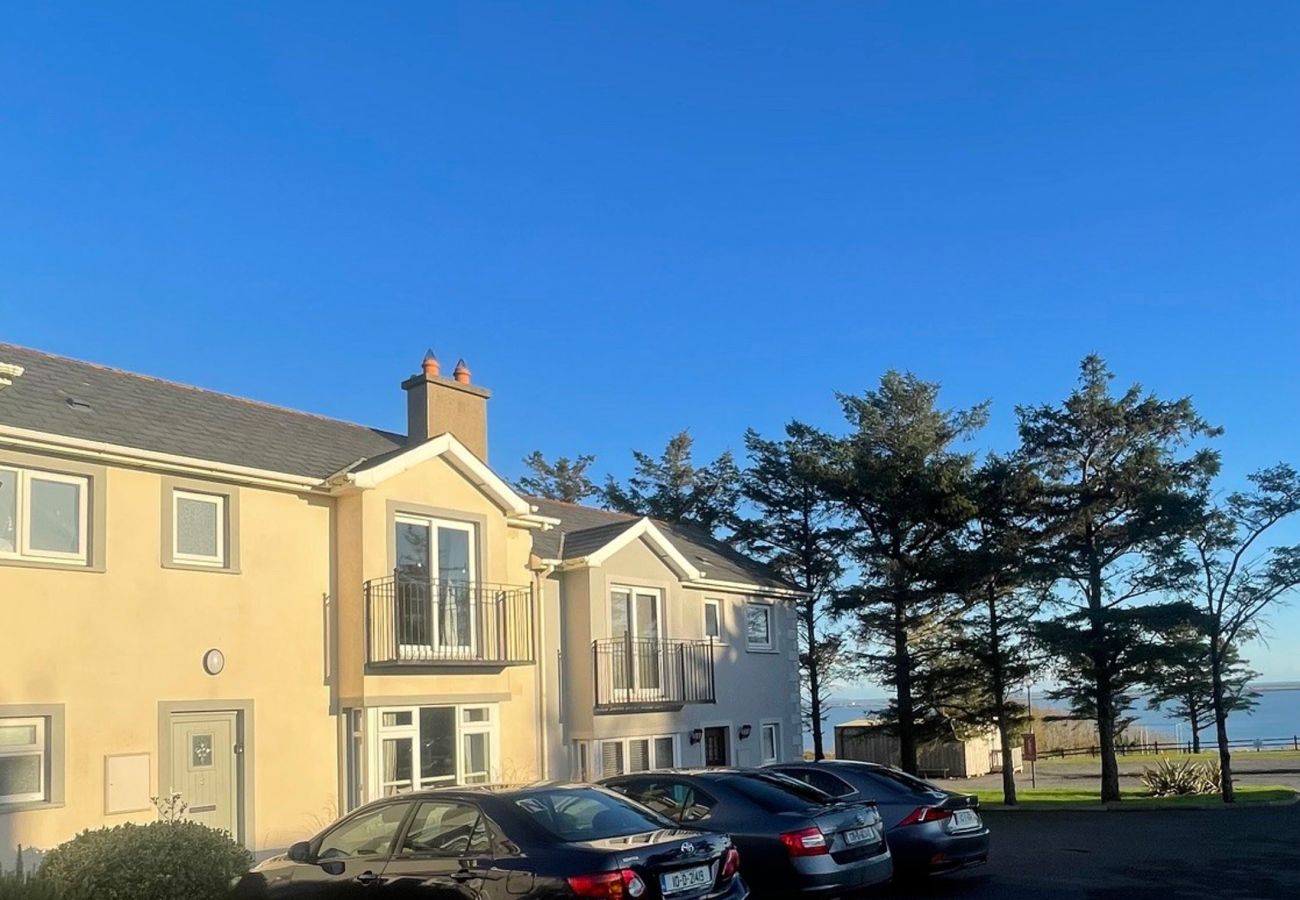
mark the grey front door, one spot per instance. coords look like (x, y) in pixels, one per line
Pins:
(205, 767)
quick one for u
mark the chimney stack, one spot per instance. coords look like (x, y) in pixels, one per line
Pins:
(436, 405)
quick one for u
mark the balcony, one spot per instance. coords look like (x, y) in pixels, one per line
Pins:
(418, 621)
(646, 674)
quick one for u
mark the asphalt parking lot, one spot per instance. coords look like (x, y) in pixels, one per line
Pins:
(1234, 853)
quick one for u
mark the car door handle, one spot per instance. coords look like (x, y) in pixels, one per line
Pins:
(367, 878)
(463, 875)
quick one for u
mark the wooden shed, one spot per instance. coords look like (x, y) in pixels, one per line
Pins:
(868, 740)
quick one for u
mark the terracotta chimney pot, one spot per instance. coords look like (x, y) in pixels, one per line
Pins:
(430, 364)
(462, 372)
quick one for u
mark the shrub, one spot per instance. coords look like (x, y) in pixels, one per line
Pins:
(21, 885)
(167, 860)
(1171, 779)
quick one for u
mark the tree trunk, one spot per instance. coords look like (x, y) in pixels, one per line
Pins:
(906, 712)
(1195, 718)
(1000, 698)
(814, 680)
(1105, 689)
(1221, 720)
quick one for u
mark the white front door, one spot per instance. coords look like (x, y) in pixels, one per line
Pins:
(204, 767)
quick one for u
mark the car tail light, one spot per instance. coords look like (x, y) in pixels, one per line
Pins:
(805, 842)
(925, 814)
(611, 885)
(730, 862)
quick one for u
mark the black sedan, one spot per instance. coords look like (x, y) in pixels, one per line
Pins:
(793, 840)
(549, 841)
(930, 830)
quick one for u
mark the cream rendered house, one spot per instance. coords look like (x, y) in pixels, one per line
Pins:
(281, 616)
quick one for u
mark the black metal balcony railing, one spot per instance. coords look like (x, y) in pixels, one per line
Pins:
(646, 673)
(413, 620)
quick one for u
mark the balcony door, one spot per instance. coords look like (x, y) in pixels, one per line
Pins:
(635, 618)
(435, 588)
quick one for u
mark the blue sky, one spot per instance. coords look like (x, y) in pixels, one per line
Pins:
(634, 218)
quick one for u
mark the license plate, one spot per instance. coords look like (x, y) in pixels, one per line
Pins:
(685, 879)
(856, 836)
(963, 819)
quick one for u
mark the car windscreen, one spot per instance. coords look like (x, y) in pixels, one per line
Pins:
(778, 793)
(586, 814)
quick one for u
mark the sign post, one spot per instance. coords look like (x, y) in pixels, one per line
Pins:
(1031, 757)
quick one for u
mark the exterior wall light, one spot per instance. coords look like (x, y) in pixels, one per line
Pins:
(214, 661)
(746, 731)
(697, 735)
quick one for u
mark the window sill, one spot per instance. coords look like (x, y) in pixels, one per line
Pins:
(30, 806)
(56, 564)
(771, 650)
(199, 567)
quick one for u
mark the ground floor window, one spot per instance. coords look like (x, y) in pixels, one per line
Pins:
(413, 747)
(23, 760)
(621, 756)
(770, 742)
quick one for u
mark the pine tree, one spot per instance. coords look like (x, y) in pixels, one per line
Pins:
(992, 657)
(797, 532)
(1237, 583)
(1182, 685)
(1116, 498)
(565, 479)
(902, 489)
(672, 488)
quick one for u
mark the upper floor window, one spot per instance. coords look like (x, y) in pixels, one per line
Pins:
(713, 619)
(43, 515)
(198, 528)
(759, 627)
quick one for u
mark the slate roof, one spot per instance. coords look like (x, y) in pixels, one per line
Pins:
(583, 530)
(78, 399)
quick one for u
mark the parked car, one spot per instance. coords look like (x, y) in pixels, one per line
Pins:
(793, 840)
(549, 841)
(930, 829)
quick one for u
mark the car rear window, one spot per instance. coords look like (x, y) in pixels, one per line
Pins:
(585, 814)
(823, 781)
(778, 793)
(902, 781)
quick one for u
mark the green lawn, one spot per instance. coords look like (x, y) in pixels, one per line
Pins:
(1134, 798)
(1152, 758)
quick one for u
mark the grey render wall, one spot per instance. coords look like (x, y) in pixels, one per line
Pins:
(752, 687)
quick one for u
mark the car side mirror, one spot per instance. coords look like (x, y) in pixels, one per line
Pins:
(300, 852)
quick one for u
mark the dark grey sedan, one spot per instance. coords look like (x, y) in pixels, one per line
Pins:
(794, 840)
(930, 830)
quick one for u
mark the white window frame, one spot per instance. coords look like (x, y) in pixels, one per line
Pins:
(626, 744)
(23, 513)
(716, 604)
(39, 747)
(198, 559)
(634, 592)
(771, 628)
(764, 728)
(378, 732)
(441, 648)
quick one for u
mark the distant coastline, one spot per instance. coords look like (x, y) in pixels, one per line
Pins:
(1277, 714)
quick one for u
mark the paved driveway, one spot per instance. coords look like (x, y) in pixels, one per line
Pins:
(1238, 853)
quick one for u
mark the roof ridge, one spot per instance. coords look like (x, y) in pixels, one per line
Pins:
(202, 390)
(571, 505)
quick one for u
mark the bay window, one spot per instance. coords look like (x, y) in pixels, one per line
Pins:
(419, 747)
